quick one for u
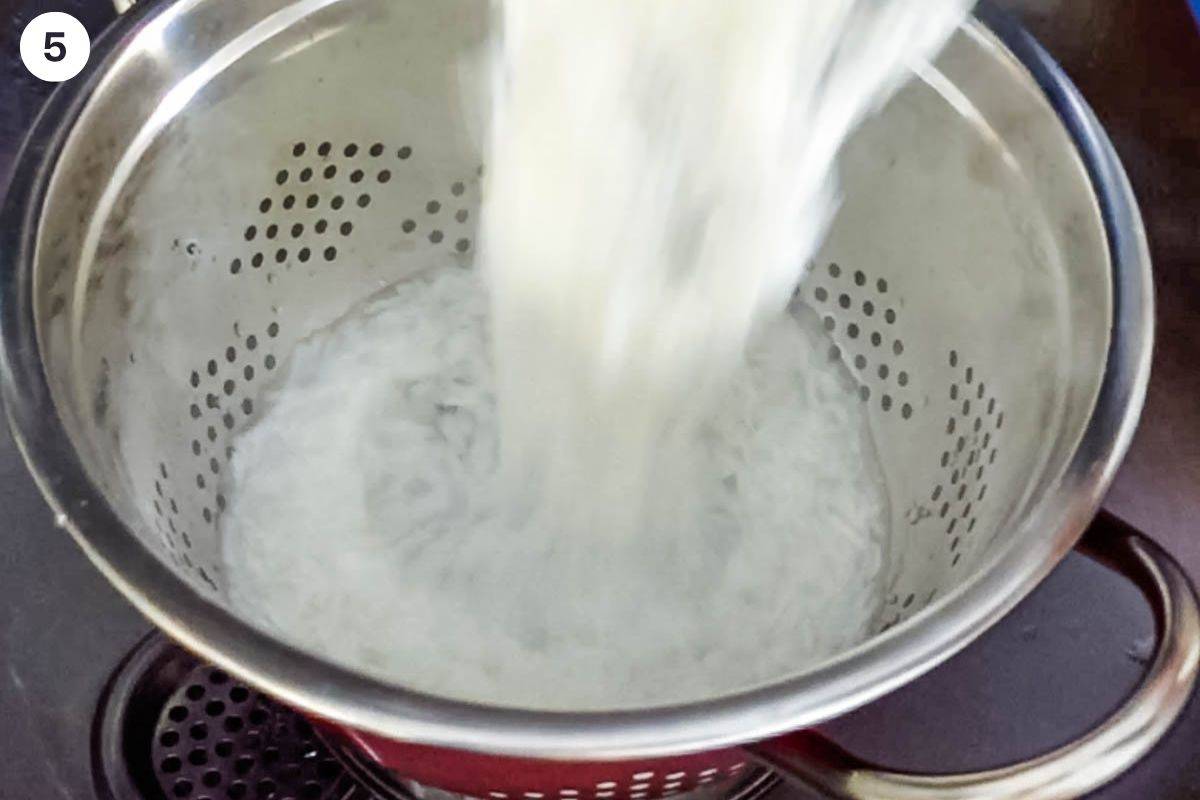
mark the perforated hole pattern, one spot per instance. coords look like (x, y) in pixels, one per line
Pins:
(863, 317)
(319, 196)
(858, 312)
(219, 740)
(636, 785)
(314, 206)
(317, 202)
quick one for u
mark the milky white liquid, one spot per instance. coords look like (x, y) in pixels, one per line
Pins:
(369, 522)
(660, 173)
(610, 467)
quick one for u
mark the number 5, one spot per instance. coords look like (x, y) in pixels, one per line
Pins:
(55, 50)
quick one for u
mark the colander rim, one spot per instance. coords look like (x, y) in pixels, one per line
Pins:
(320, 687)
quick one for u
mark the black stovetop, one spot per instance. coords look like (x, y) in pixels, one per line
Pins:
(1053, 667)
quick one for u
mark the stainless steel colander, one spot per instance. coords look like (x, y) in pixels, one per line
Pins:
(226, 178)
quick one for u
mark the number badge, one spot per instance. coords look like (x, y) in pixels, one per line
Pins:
(55, 46)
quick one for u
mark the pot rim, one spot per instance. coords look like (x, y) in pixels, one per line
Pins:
(337, 693)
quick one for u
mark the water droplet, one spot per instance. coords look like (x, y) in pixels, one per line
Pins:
(1141, 650)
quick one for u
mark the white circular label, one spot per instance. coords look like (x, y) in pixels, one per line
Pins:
(55, 46)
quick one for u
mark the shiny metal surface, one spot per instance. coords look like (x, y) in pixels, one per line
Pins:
(168, 726)
(1073, 769)
(1056, 513)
